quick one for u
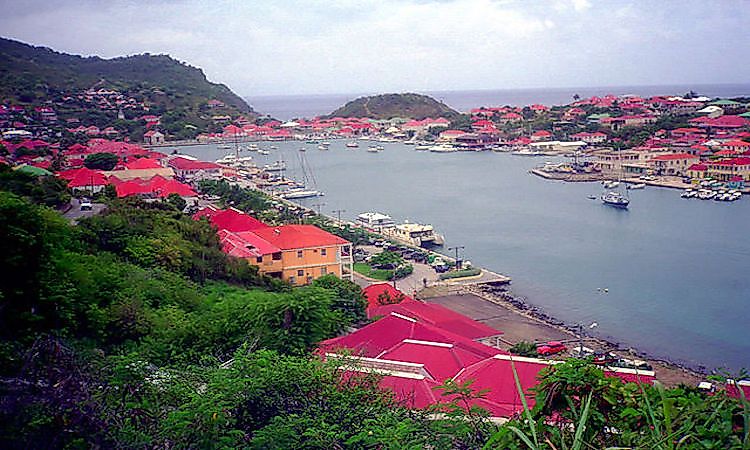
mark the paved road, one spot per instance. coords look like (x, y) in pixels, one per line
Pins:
(75, 213)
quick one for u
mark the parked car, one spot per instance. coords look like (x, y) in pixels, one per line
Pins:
(86, 205)
(551, 348)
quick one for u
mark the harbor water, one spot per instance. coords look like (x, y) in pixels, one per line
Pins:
(675, 270)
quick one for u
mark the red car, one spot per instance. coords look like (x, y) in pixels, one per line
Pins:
(551, 348)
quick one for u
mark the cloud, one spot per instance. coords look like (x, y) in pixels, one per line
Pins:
(318, 46)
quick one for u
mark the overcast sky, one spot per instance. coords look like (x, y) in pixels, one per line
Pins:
(340, 46)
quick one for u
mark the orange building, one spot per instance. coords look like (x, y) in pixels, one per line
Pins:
(297, 254)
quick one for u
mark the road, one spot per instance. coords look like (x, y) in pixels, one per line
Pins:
(74, 213)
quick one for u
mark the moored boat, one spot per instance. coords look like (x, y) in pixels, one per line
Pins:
(352, 144)
(615, 199)
(414, 234)
(375, 220)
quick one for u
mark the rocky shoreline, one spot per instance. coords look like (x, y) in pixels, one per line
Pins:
(670, 372)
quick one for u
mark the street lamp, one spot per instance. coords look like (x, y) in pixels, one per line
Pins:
(580, 336)
(458, 261)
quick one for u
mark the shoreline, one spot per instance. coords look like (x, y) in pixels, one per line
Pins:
(668, 371)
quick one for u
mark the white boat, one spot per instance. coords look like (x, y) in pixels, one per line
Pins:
(263, 152)
(610, 184)
(637, 186)
(375, 220)
(688, 193)
(422, 147)
(224, 146)
(322, 147)
(526, 152)
(373, 149)
(414, 234)
(300, 193)
(615, 199)
(352, 144)
(442, 148)
(302, 149)
(274, 147)
(275, 167)
(325, 143)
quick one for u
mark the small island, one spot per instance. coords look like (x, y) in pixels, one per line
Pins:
(388, 106)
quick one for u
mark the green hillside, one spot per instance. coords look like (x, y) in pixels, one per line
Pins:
(387, 106)
(34, 75)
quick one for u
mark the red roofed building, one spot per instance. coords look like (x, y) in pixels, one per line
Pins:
(143, 163)
(590, 138)
(298, 254)
(673, 163)
(189, 168)
(381, 294)
(541, 135)
(84, 179)
(730, 169)
(735, 145)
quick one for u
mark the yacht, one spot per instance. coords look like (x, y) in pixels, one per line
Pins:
(637, 186)
(688, 193)
(352, 144)
(375, 220)
(442, 148)
(373, 149)
(422, 146)
(224, 146)
(322, 147)
(263, 152)
(526, 152)
(300, 193)
(302, 149)
(414, 234)
(615, 199)
(277, 166)
(274, 147)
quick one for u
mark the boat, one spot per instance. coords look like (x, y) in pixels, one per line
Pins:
(592, 197)
(300, 193)
(414, 234)
(326, 143)
(274, 147)
(373, 149)
(688, 193)
(526, 152)
(375, 220)
(352, 144)
(614, 198)
(322, 147)
(224, 146)
(422, 146)
(442, 148)
(312, 142)
(277, 166)
(637, 186)
(302, 149)
(263, 152)
(608, 184)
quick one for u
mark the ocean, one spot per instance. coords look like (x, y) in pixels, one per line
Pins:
(675, 269)
(286, 107)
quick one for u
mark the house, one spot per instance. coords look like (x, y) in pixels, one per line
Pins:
(298, 254)
(84, 179)
(191, 168)
(735, 145)
(153, 137)
(673, 163)
(541, 135)
(727, 170)
(590, 138)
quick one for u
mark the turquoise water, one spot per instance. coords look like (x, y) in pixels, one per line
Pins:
(676, 269)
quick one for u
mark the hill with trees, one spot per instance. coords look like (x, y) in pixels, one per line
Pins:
(388, 106)
(32, 75)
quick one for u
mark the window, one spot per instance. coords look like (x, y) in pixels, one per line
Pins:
(259, 259)
(323, 251)
(323, 270)
(300, 273)
(291, 280)
(299, 253)
(276, 256)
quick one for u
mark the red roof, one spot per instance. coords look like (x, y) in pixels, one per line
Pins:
(83, 177)
(230, 219)
(698, 167)
(674, 156)
(143, 163)
(181, 163)
(289, 237)
(437, 315)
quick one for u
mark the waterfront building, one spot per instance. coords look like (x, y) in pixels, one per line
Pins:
(735, 170)
(673, 163)
(153, 137)
(590, 138)
(191, 168)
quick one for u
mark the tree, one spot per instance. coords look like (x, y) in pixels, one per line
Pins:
(348, 297)
(177, 202)
(101, 161)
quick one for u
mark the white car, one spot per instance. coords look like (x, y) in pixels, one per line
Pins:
(86, 205)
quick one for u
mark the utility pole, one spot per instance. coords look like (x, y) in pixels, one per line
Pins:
(458, 261)
(338, 214)
(319, 205)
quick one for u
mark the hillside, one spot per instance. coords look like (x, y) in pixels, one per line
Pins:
(387, 106)
(32, 75)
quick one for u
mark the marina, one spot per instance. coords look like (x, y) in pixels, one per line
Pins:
(550, 238)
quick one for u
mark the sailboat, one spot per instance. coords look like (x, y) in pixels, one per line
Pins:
(615, 198)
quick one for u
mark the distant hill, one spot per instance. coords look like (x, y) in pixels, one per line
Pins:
(387, 106)
(32, 75)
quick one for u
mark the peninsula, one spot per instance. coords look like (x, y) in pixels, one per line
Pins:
(389, 106)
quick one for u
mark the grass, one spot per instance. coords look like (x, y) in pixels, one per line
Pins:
(460, 273)
(378, 274)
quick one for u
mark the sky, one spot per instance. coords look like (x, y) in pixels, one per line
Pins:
(276, 47)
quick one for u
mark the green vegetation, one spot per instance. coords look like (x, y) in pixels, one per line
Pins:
(179, 92)
(471, 272)
(134, 330)
(388, 106)
(385, 266)
(101, 161)
(46, 190)
(376, 274)
(524, 348)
